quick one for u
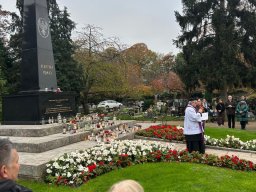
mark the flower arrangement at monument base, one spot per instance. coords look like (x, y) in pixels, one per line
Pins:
(108, 135)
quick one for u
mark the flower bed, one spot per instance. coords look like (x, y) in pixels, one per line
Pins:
(231, 142)
(171, 133)
(78, 167)
(167, 132)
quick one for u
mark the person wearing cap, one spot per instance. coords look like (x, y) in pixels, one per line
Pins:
(9, 168)
(193, 129)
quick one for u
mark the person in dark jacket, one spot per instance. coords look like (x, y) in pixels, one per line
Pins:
(231, 111)
(220, 107)
(9, 168)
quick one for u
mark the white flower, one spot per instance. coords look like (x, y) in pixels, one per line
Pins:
(68, 174)
(78, 160)
(80, 168)
(56, 165)
(48, 171)
(71, 161)
(109, 158)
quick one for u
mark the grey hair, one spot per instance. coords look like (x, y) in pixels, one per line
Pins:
(6, 147)
(127, 186)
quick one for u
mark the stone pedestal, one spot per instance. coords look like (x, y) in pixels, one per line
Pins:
(31, 108)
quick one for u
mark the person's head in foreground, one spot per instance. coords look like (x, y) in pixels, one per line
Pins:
(126, 186)
(9, 168)
(9, 160)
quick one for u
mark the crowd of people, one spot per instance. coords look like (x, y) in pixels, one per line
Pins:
(231, 109)
(194, 122)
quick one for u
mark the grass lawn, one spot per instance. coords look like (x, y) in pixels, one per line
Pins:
(218, 133)
(165, 177)
(142, 118)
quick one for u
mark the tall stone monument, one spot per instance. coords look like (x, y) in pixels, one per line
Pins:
(38, 98)
(37, 69)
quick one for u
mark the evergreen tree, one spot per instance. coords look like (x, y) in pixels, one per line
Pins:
(68, 72)
(3, 78)
(13, 51)
(218, 42)
(4, 57)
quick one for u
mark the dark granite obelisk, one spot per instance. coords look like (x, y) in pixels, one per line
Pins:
(37, 69)
(38, 98)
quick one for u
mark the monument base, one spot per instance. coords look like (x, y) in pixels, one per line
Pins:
(37, 107)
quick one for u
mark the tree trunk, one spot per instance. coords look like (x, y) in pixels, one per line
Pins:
(85, 103)
(224, 91)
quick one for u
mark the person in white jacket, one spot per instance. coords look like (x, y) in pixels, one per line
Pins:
(193, 129)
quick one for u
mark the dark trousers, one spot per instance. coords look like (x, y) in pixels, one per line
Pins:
(243, 124)
(221, 118)
(195, 143)
(231, 121)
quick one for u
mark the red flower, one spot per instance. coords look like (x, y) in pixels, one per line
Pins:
(73, 121)
(124, 155)
(101, 163)
(91, 167)
(59, 178)
(235, 159)
(251, 165)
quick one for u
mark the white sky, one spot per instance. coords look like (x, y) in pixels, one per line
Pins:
(133, 21)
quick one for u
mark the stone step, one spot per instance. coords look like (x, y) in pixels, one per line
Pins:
(38, 144)
(33, 165)
(42, 130)
(30, 130)
(41, 144)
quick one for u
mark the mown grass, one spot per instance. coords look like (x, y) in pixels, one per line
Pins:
(165, 177)
(219, 133)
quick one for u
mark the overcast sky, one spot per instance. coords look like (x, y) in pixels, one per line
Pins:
(133, 21)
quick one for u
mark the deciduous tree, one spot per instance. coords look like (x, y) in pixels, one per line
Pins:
(96, 56)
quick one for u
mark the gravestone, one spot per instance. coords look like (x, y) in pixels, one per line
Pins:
(38, 98)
